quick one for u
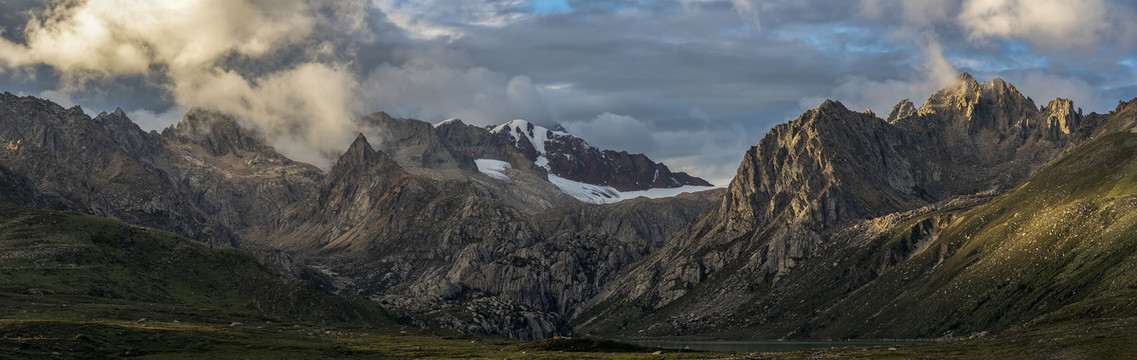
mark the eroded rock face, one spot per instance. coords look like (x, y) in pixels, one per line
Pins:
(228, 171)
(207, 178)
(832, 167)
(76, 164)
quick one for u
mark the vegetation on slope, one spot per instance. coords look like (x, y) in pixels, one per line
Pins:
(84, 266)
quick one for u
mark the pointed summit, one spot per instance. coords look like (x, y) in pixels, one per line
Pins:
(121, 129)
(358, 158)
(959, 97)
(902, 110)
(831, 105)
(360, 149)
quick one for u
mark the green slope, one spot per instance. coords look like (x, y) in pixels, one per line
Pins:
(1063, 245)
(56, 265)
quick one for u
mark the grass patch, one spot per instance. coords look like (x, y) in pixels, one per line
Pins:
(586, 345)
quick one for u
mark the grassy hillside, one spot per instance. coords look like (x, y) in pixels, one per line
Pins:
(57, 265)
(1066, 239)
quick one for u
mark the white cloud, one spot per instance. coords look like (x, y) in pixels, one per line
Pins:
(1052, 24)
(307, 109)
(431, 19)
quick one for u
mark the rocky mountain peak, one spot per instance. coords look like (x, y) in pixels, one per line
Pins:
(123, 130)
(218, 133)
(830, 105)
(902, 110)
(1001, 92)
(530, 139)
(359, 151)
(959, 96)
(972, 107)
(361, 158)
(1061, 116)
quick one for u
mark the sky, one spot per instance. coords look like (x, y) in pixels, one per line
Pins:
(691, 83)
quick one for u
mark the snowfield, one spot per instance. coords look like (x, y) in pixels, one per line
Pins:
(598, 194)
(494, 168)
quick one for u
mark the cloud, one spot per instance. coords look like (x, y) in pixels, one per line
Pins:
(429, 90)
(431, 19)
(916, 23)
(218, 54)
(616, 132)
(1051, 24)
(308, 112)
(860, 93)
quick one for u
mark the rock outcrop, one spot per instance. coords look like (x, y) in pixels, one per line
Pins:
(902, 110)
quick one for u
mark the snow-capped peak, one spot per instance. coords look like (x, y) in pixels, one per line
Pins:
(448, 121)
(537, 135)
(588, 173)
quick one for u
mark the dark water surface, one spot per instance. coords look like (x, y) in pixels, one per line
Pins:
(765, 346)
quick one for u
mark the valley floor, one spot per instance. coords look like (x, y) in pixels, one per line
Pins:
(46, 339)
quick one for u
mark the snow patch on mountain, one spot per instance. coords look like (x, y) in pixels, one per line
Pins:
(598, 194)
(494, 168)
(537, 136)
(540, 138)
(448, 121)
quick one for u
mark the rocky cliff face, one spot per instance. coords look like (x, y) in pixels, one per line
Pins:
(832, 167)
(228, 171)
(572, 158)
(75, 164)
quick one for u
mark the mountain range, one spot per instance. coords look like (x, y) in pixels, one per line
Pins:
(977, 212)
